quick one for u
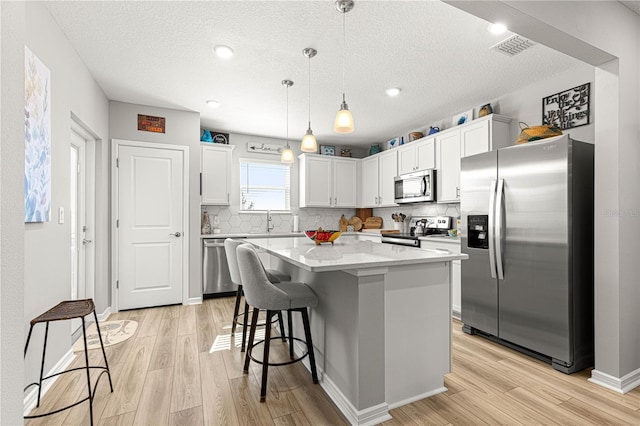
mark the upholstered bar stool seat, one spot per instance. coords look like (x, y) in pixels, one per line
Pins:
(261, 294)
(274, 276)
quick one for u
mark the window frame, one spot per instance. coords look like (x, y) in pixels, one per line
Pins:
(287, 188)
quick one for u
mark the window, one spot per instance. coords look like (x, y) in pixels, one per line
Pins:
(264, 185)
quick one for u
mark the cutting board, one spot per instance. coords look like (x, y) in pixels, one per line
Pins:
(373, 223)
(381, 231)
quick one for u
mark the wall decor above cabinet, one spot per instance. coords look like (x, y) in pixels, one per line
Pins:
(215, 137)
(264, 148)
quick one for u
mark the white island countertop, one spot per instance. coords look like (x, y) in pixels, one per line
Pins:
(348, 253)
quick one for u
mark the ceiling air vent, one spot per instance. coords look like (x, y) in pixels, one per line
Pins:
(512, 45)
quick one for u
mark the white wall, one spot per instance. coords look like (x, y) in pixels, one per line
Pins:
(182, 128)
(12, 28)
(47, 277)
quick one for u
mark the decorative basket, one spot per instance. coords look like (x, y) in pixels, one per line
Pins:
(534, 133)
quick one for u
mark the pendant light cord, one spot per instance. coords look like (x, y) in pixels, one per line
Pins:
(309, 91)
(287, 116)
(344, 48)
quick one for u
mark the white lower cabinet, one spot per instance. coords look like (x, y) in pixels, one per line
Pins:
(327, 181)
(377, 179)
(456, 268)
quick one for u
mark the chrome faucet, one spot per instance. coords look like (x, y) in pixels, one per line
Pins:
(270, 225)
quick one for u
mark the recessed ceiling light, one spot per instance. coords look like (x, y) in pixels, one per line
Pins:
(497, 28)
(223, 51)
(393, 91)
(213, 104)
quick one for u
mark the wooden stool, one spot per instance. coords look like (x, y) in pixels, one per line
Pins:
(64, 311)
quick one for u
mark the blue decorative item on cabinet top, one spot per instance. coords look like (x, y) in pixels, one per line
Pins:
(206, 136)
(374, 149)
(433, 130)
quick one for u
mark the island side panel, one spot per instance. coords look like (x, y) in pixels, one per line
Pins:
(348, 333)
(417, 330)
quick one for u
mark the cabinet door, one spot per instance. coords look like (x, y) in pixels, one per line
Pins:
(215, 167)
(474, 139)
(369, 182)
(426, 154)
(317, 181)
(448, 179)
(387, 171)
(344, 183)
(406, 159)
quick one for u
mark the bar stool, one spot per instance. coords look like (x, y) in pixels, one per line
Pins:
(230, 246)
(65, 311)
(263, 295)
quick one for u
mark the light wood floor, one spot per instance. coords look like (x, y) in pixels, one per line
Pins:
(182, 368)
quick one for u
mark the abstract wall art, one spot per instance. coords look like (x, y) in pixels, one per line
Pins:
(37, 135)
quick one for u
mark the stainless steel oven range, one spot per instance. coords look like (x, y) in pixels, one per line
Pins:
(419, 226)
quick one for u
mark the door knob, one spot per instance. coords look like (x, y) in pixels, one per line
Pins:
(177, 234)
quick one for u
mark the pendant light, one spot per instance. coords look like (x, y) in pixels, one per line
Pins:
(287, 153)
(344, 119)
(309, 143)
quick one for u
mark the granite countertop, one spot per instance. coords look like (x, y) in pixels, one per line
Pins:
(447, 239)
(348, 252)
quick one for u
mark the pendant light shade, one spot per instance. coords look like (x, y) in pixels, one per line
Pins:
(344, 119)
(287, 154)
(309, 143)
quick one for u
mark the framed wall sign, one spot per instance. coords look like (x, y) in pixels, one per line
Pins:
(149, 123)
(264, 148)
(219, 137)
(327, 150)
(567, 109)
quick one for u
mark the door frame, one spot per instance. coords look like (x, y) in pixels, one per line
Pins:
(89, 163)
(115, 145)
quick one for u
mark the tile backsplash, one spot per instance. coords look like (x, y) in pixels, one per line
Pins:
(234, 222)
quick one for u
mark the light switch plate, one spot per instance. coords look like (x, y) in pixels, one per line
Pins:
(60, 215)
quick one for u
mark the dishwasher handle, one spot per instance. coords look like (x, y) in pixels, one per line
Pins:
(213, 243)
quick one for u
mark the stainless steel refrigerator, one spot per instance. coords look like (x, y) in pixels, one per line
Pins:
(527, 226)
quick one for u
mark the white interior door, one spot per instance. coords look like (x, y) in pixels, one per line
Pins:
(80, 218)
(152, 202)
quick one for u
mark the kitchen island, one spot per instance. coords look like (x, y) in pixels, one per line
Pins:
(382, 328)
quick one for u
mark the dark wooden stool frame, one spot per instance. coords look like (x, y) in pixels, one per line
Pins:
(64, 311)
(267, 340)
(245, 316)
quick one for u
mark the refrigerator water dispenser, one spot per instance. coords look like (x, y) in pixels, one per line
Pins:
(478, 228)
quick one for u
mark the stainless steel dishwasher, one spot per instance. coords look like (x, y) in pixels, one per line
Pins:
(216, 281)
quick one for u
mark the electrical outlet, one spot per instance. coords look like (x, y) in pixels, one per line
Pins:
(60, 215)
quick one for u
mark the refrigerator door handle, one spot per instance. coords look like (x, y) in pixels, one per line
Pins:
(492, 254)
(498, 225)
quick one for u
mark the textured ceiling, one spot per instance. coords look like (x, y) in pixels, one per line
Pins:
(160, 54)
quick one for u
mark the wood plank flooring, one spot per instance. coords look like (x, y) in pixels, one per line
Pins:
(183, 368)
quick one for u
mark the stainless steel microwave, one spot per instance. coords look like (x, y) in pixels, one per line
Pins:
(415, 187)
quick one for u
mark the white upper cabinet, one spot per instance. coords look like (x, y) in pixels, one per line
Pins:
(481, 135)
(327, 181)
(448, 177)
(416, 156)
(377, 179)
(215, 168)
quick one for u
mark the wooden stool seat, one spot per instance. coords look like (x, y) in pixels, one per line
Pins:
(67, 310)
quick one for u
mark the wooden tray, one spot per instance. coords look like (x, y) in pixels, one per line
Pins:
(381, 231)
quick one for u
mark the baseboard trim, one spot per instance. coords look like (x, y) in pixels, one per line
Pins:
(194, 301)
(105, 314)
(368, 417)
(31, 398)
(417, 397)
(621, 385)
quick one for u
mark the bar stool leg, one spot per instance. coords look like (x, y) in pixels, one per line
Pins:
(281, 325)
(86, 359)
(235, 311)
(28, 338)
(307, 332)
(44, 350)
(265, 356)
(290, 324)
(244, 326)
(252, 335)
(104, 354)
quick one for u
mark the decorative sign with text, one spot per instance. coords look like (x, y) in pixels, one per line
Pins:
(264, 148)
(567, 109)
(149, 123)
